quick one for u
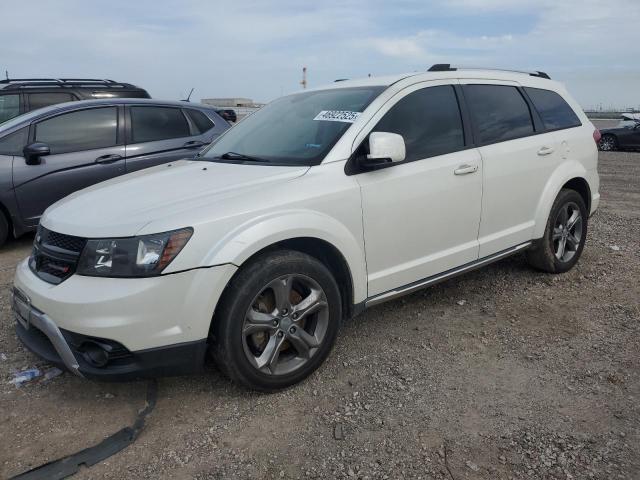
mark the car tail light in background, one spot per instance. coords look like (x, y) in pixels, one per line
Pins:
(597, 136)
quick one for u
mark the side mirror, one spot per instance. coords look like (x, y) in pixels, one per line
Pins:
(34, 151)
(384, 148)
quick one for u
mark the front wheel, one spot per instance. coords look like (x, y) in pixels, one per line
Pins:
(564, 237)
(277, 321)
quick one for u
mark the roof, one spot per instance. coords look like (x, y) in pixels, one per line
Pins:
(459, 73)
(89, 83)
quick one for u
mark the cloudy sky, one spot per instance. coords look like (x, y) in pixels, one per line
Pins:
(257, 49)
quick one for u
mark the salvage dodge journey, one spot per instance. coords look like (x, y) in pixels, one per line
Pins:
(317, 206)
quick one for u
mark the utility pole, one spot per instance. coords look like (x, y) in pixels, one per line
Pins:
(304, 77)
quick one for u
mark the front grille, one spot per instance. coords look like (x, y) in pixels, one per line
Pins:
(65, 242)
(55, 255)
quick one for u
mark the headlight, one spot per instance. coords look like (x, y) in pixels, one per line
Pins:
(143, 256)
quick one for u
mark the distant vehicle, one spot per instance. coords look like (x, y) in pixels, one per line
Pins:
(49, 153)
(21, 95)
(228, 114)
(626, 135)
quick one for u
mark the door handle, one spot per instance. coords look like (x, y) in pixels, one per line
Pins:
(545, 151)
(108, 159)
(465, 169)
(194, 144)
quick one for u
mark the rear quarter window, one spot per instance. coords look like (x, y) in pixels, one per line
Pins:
(201, 122)
(555, 112)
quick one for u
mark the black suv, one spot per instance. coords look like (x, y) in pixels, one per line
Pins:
(21, 95)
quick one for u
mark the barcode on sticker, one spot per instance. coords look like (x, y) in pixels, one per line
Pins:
(338, 116)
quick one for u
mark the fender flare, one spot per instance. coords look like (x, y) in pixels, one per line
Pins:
(564, 173)
(239, 244)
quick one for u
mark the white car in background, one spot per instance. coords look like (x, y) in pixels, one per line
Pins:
(317, 206)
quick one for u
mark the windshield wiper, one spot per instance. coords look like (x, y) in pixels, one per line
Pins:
(242, 157)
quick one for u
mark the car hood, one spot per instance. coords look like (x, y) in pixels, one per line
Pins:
(123, 206)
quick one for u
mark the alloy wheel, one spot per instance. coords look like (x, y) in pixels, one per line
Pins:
(285, 324)
(567, 232)
(607, 143)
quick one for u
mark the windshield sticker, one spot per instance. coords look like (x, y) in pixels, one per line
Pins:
(338, 116)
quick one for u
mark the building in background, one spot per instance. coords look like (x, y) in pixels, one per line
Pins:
(242, 106)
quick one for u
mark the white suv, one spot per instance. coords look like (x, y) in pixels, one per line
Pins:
(319, 205)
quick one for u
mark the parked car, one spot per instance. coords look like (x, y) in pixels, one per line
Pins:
(21, 95)
(54, 151)
(317, 206)
(228, 114)
(624, 137)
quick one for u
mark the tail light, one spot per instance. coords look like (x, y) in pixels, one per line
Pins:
(597, 136)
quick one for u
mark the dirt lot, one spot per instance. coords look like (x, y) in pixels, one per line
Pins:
(503, 373)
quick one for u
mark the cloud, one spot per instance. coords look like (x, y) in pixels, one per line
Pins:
(257, 49)
(399, 47)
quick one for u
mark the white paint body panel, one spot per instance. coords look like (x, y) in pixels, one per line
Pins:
(393, 226)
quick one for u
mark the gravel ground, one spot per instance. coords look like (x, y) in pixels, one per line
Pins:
(503, 373)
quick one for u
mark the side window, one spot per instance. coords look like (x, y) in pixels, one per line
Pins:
(157, 123)
(14, 143)
(429, 121)
(200, 121)
(554, 111)
(81, 130)
(9, 107)
(39, 100)
(499, 112)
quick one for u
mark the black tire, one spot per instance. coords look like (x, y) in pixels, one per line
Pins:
(4, 229)
(543, 254)
(229, 346)
(608, 143)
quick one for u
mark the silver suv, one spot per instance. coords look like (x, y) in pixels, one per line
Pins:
(51, 152)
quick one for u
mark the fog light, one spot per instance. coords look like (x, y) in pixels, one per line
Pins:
(94, 354)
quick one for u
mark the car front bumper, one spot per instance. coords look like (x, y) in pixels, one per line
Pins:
(149, 326)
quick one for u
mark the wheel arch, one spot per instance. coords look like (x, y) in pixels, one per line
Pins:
(5, 212)
(310, 232)
(581, 186)
(569, 175)
(328, 255)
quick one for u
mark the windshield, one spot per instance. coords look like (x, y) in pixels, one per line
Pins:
(298, 129)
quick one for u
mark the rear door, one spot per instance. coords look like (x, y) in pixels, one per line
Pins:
(159, 134)
(517, 158)
(86, 148)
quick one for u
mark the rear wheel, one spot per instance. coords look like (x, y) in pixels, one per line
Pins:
(4, 229)
(608, 143)
(277, 321)
(564, 237)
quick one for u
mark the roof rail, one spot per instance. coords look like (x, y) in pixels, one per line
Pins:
(340, 80)
(446, 67)
(16, 83)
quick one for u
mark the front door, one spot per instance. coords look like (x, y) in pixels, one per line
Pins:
(85, 149)
(421, 216)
